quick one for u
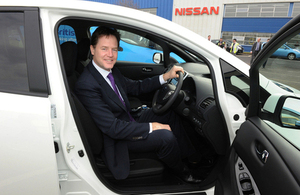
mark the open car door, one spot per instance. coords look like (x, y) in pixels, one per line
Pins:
(265, 155)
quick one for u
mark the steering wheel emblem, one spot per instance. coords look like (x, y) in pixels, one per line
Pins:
(168, 95)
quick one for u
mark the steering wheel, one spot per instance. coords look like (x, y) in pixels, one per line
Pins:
(166, 95)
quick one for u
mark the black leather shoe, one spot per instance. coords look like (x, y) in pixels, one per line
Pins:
(187, 176)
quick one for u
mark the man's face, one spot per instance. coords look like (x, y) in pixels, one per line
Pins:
(258, 40)
(105, 53)
(221, 40)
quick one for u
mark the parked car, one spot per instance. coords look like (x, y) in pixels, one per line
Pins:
(228, 45)
(286, 51)
(50, 145)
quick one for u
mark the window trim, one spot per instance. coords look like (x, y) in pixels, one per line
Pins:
(35, 61)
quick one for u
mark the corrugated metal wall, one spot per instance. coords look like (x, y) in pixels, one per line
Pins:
(260, 25)
(164, 7)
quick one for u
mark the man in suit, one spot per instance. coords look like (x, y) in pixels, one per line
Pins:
(106, 100)
(255, 49)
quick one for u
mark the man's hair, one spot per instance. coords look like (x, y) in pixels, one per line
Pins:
(234, 39)
(104, 31)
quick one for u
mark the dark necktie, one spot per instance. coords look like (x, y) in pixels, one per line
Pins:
(112, 81)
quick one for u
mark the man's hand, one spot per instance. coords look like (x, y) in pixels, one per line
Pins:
(172, 73)
(158, 126)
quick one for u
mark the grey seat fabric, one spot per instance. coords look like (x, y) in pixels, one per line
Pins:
(83, 56)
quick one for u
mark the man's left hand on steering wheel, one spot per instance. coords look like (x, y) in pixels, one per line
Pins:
(173, 73)
(166, 96)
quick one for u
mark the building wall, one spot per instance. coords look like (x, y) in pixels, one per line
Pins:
(202, 24)
(164, 7)
(261, 25)
(209, 17)
(214, 24)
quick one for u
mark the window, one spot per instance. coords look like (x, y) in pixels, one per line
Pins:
(257, 10)
(282, 68)
(296, 9)
(13, 67)
(246, 38)
(236, 83)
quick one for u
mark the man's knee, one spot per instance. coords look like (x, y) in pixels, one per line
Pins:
(165, 134)
(167, 144)
(166, 138)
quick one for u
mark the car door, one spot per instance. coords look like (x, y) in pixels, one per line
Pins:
(28, 163)
(265, 157)
(135, 58)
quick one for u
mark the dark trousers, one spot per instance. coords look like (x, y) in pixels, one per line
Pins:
(170, 146)
(254, 54)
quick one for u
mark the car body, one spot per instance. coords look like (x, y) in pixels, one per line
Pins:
(287, 52)
(228, 45)
(230, 111)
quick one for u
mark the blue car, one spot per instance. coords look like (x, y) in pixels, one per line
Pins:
(140, 51)
(287, 52)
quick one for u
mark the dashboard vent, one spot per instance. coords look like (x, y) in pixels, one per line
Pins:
(206, 102)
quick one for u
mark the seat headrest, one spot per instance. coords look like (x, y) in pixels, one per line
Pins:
(69, 53)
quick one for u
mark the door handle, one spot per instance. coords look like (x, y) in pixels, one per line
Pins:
(147, 69)
(262, 155)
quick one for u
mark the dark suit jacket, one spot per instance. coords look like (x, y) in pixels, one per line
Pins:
(111, 116)
(254, 47)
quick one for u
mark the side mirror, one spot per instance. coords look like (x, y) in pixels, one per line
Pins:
(290, 113)
(283, 110)
(157, 58)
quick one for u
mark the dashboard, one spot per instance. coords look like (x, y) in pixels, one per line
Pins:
(199, 106)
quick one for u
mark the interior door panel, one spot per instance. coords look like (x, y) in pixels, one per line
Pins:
(261, 153)
(137, 71)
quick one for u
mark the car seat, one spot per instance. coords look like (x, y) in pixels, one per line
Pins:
(83, 56)
(145, 164)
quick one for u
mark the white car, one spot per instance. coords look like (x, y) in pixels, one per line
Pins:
(50, 145)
